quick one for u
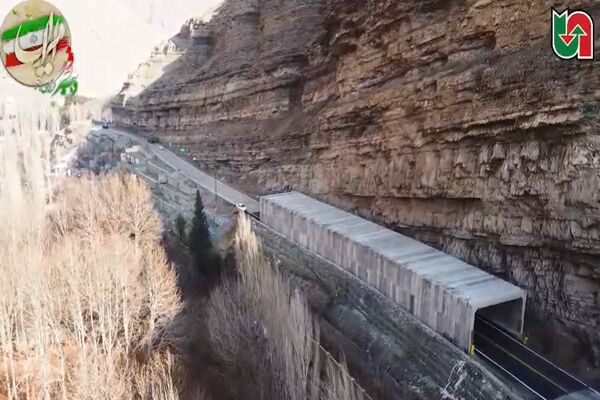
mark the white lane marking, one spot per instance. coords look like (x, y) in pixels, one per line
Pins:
(514, 377)
(534, 353)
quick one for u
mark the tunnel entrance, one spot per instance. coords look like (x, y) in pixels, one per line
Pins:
(508, 316)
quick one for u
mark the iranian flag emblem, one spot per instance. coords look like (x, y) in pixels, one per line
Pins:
(35, 44)
(30, 38)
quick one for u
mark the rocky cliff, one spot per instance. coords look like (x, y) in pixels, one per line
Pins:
(448, 120)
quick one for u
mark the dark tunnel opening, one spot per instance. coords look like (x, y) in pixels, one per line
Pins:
(507, 315)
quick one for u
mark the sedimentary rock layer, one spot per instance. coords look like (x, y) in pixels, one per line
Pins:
(449, 120)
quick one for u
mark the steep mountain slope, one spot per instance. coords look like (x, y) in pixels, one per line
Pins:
(450, 121)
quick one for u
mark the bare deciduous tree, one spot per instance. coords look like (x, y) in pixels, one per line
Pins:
(265, 335)
(86, 295)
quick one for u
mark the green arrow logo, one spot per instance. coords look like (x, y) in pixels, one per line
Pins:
(572, 34)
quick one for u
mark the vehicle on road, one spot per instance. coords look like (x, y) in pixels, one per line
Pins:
(153, 139)
(105, 125)
(161, 147)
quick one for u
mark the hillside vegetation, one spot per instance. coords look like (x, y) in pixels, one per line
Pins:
(91, 309)
(85, 290)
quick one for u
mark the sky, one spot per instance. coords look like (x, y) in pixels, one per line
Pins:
(110, 38)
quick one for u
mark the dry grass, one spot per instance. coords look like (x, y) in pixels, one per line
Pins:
(265, 336)
(85, 291)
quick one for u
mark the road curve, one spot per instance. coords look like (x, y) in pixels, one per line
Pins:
(225, 192)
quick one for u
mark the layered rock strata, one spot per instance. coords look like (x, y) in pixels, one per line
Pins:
(449, 120)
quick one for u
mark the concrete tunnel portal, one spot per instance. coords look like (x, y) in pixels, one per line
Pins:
(507, 315)
(445, 293)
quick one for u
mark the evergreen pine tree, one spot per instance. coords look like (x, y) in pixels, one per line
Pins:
(199, 237)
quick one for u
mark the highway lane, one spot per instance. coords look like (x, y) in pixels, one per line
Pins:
(225, 192)
(541, 377)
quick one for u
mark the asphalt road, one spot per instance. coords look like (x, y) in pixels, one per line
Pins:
(544, 379)
(225, 192)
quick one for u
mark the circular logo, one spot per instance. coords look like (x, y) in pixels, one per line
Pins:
(36, 43)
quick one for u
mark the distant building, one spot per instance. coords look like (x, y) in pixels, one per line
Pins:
(134, 149)
(133, 157)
